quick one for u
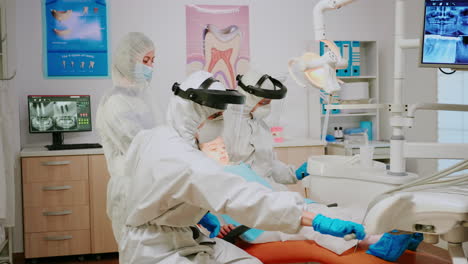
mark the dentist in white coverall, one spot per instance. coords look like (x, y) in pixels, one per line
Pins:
(166, 185)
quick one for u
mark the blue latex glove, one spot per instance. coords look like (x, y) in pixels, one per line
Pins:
(211, 223)
(337, 227)
(390, 247)
(415, 240)
(308, 201)
(302, 171)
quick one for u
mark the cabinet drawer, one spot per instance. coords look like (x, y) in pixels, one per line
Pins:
(42, 194)
(62, 218)
(54, 169)
(49, 244)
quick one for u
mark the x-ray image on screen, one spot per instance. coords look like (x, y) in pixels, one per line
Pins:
(445, 32)
(53, 116)
(65, 114)
(41, 115)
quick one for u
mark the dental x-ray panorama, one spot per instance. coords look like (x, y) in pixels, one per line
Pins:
(58, 115)
(445, 33)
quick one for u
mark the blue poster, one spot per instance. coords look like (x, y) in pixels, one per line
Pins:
(76, 41)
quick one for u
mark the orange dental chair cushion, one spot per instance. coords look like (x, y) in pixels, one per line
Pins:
(309, 251)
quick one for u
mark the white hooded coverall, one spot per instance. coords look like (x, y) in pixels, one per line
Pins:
(162, 185)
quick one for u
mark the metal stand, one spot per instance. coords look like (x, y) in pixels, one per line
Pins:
(456, 253)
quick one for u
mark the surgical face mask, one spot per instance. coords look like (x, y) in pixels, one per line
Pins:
(143, 72)
(262, 111)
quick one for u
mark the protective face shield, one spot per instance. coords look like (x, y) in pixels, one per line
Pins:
(127, 70)
(203, 95)
(197, 104)
(262, 110)
(234, 130)
(278, 92)
(260, 89)
(211, 128)
(239, 131)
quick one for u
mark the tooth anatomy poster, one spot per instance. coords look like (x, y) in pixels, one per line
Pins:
(75, 38)
(218, 41)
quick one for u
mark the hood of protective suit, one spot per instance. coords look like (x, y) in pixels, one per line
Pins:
(186, 116)
(130, 51)
(251, 78)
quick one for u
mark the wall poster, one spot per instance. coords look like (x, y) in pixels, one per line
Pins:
(75, 38)
(218, 41)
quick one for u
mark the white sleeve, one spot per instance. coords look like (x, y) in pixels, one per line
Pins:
(120, 118)
(283, 173)
(180, 185)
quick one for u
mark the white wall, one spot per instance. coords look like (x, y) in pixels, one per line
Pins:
(278, 33)
(279, 30)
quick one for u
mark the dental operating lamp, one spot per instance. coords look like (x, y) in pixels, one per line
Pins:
(320, 71)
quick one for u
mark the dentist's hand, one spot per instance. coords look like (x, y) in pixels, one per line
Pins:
(337, 227)
(301, 172)
(211, 223)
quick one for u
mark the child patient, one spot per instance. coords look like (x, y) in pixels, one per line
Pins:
(380, 246)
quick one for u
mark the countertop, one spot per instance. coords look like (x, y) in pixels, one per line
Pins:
(41, 151)
(299, 142)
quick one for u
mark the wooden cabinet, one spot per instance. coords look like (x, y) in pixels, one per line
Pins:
(64, 206)
(102, 237)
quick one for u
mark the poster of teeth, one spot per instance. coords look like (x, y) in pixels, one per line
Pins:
(75, 38)
(218, 41)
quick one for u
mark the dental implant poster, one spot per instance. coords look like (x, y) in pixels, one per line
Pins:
(218, 41)
(75, 38)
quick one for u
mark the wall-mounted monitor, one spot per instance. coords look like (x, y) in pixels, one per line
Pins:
(445, 34)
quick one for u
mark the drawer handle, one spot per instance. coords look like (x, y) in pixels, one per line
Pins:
(57, 213)
(56, 188)
(56, 163)
(57, 238)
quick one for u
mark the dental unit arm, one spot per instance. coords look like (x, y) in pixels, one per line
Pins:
(319, 10)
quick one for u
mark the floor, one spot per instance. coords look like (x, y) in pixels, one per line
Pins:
(89, 259)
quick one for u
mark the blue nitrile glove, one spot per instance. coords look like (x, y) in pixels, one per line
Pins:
(337, 227)
(302, 171)
(390, 247)
(308, 201)
(211, 223)
(415, 240)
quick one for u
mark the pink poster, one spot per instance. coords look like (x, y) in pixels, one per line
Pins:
(218, 41)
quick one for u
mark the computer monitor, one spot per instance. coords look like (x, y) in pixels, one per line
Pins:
(445, 34)
(59, 113)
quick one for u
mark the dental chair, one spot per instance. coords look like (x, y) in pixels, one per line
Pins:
(435, 205)
(308, 251)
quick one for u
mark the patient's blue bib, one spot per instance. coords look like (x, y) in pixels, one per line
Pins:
(249, 175)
